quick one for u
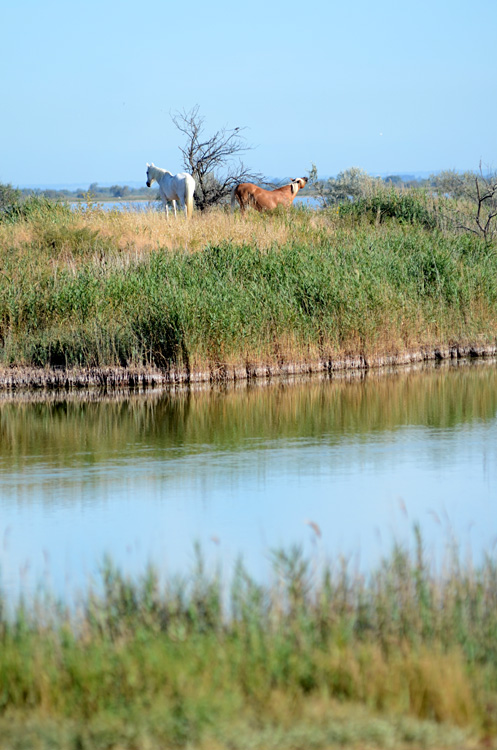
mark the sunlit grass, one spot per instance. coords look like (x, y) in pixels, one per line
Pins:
(141, 232)
(123, 289)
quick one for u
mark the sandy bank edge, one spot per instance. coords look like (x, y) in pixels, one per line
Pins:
(136, 377)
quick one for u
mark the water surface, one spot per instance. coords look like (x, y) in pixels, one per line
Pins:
(244, 470)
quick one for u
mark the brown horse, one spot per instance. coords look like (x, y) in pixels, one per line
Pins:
(265, 200)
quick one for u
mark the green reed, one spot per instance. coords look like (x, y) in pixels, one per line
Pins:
(69, 296)
(316, 649)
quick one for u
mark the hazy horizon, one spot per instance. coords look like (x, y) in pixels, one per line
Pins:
(406, 174)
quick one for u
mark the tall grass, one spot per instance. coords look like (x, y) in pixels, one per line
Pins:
(97, 289)
(319, 649)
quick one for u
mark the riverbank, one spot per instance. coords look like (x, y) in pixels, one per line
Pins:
(14, 378)
(109, 299)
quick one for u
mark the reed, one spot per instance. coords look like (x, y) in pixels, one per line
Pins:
(403, 656)
(98, 289)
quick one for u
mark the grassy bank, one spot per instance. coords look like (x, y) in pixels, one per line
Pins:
(107, 289)
(318, 656)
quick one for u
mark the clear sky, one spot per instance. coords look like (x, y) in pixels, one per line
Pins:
(87, 88)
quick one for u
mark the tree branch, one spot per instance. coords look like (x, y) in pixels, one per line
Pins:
(211, 159)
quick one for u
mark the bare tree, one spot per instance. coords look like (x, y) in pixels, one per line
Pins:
(475, 207)
(486, 199)
(213, 161)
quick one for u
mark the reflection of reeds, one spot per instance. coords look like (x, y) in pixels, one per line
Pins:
(230, 417)
(404, 641)
(114, 289)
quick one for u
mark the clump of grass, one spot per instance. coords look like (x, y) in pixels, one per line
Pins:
(180, 661)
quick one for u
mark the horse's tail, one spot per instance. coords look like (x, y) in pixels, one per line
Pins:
(233, 198)
(189, 191)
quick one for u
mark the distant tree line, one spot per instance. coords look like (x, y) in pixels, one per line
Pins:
(355, 183)
(350, 184)
(96, 191)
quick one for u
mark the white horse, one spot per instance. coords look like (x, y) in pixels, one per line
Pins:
(173, 187)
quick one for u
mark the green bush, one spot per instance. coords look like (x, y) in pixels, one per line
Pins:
(408, 207)
(15, 206)
(10, 201)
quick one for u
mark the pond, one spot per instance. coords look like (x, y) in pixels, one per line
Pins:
(341, 466)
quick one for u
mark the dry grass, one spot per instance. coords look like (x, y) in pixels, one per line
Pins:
(145, 231)
(138, 233)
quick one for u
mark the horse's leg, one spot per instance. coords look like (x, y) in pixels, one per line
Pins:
(166, 207)
(174, 209)
(182, 206)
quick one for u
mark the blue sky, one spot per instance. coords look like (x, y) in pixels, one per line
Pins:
(87, 88)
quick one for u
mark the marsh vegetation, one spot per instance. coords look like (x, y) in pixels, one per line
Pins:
(98, 289)
(316, 655)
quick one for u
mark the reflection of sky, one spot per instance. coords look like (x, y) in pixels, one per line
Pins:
(154, 508)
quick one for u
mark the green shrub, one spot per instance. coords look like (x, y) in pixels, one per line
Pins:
(408, 207)
(10, 202)
(14, 206)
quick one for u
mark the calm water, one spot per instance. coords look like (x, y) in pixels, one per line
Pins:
(243, 470)
(154, 205)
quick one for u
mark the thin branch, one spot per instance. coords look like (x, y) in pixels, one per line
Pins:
(211, 159)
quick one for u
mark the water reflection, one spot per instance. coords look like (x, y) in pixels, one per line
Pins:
(142, 476)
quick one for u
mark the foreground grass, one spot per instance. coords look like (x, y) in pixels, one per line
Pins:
(111, 289)
(319, 656)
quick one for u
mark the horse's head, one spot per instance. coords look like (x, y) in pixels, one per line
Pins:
(298, 184)
(150, 179)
